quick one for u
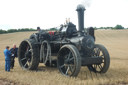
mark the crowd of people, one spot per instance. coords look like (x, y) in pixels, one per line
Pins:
(10, 55)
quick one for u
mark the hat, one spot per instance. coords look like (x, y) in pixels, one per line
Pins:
(38, 28)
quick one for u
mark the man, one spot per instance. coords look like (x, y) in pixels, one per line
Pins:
(13, 55)
(7, 54)
(42, 35)
(38, 29)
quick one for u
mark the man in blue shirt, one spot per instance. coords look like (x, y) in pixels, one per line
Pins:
(7, 54)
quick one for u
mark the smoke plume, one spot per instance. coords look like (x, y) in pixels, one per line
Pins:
(86, 3)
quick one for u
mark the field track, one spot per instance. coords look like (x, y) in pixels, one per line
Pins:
(116, 41)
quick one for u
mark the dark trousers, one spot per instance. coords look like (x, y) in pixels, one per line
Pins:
(12, 62)
(7, 65)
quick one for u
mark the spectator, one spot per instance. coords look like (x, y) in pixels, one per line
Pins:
(13, 55)
(39, 30)
(7, 54)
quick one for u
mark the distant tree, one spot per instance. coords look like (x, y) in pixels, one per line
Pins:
(26, 29)
(101, 27)
(12, 30)
(53, 29)
(108, 27)
(118, 27)
(95, 28)
(2, 31)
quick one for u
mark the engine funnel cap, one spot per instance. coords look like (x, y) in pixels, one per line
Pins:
(80, 7)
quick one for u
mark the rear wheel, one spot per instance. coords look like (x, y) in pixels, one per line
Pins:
(69, 60)
(100, 51)
(28, 55)
(45, 52)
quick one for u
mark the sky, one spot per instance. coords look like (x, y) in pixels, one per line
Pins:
(16, 14)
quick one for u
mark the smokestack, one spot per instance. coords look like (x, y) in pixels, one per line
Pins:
(80, 9)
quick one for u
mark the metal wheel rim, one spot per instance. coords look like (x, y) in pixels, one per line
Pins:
(46, 51)
(67, 63)
(26, 58)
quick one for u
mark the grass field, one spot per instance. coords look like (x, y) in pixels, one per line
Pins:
(116, 41)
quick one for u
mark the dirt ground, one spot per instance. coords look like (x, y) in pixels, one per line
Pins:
(7, 82)
(116, 41)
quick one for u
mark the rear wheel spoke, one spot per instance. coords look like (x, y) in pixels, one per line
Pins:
(98, 52)
(62, 66)
(96, 66)
(67, 71)
(23, 59)
(100, 67)
(25, 64)
(28, 63)
(69, 55)
(71, 69)
(27, 48)
(30, 50)
(71, 59)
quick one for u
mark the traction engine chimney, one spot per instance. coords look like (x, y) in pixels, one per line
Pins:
(80, 9)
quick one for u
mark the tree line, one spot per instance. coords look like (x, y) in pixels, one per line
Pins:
(113, 28)
(55, 29)
(16, 30)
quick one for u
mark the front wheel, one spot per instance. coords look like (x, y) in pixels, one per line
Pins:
(69, 60)
(100, 51)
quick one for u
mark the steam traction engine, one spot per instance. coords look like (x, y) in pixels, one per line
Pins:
(68, 49)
